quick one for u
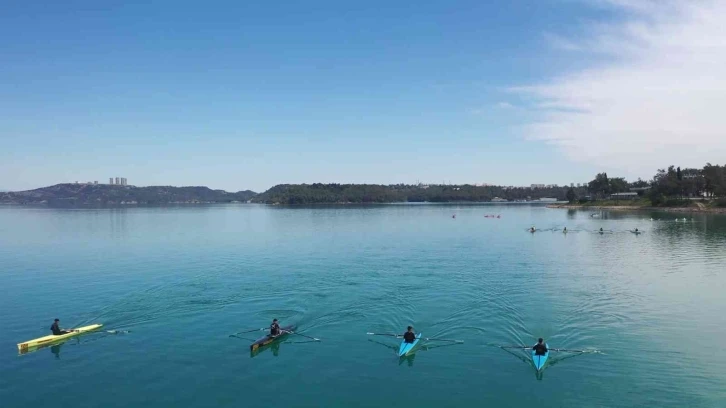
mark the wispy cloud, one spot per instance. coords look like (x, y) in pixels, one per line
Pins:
(657, 101)
(492, 108)
(560, 42)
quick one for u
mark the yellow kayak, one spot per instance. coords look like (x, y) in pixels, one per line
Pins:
(26, 346)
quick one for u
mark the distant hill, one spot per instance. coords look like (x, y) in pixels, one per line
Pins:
(106, 194)
(373, 193)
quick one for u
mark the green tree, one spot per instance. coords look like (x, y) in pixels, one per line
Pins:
(618, 185)
(714, 178)
(639, 184)
(600, 186)
(571, 196)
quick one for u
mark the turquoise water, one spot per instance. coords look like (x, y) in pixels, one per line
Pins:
(183, 279)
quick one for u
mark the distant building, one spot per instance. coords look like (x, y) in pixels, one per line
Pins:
(110, 180)
(547, 199)
(639, 189)
(95, 182)
(572, 185)
(537, 186)
(624, 196)
(499, 200)
(578, 185)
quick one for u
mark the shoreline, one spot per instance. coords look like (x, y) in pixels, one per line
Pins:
(704, 210)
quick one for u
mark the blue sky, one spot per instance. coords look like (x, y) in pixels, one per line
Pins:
(244, 96)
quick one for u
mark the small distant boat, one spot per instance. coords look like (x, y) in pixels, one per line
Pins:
(408, 347)
(53, 339)
(540, 361)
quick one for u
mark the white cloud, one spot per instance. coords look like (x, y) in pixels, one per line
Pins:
(505, 105)
(659, 99)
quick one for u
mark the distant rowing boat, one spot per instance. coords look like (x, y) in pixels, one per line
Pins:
(53, 339)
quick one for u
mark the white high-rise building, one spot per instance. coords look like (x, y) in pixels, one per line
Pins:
(118, 180)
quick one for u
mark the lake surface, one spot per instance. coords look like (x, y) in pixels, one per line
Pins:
(183, 279)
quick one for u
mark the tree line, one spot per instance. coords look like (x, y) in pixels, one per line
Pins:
(319, 193)
(668, 187)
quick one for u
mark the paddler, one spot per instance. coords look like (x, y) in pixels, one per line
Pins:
(275, 328)
(55, 328)
(540, 349)
(533, 229)
(601, 231)
(565, 230)
(409, 336)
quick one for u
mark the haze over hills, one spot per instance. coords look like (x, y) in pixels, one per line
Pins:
(104, 194)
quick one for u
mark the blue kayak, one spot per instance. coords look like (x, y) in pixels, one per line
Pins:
(539, 361)
(407, 347)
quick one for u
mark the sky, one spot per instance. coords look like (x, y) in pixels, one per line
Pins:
(236, 96)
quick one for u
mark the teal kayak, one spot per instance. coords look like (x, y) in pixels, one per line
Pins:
(407, 347)
(540, 361)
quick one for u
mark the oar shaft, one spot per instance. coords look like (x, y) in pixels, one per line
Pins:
(253, 330)
(383, 334)
(451, 340)
(300, 334)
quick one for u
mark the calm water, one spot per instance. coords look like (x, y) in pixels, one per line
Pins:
(183, 279)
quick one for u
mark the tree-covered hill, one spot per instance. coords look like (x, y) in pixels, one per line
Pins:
(105, 194)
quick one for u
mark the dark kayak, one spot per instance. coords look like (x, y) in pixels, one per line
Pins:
(263, 341)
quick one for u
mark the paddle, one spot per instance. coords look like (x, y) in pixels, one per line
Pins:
(118, 331)
(576, 351)
(453, 341)
(238, 337)
(384, 334)
(300, 334)
(253, 330)
(552, 349)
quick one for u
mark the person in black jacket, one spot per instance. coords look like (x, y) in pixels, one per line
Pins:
(409, 336)
(275, 328)
(55, 328)
(540, 349)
